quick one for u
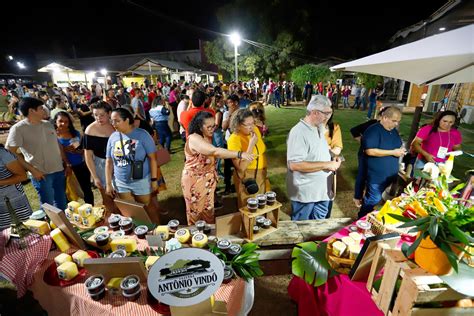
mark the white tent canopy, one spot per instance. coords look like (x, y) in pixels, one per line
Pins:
(443, 58)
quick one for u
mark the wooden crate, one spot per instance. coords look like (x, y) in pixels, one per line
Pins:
(248, 220)
(417, 287)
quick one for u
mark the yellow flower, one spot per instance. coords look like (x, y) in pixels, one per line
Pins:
(420, 210)
(440, 205)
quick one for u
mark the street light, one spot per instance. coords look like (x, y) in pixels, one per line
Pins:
(10, 57)
(20, 65)
(235, 39)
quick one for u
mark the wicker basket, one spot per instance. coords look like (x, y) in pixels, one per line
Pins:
(342, 265)
(379, 228)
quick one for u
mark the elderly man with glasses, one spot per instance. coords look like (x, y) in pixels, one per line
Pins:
(311, 170)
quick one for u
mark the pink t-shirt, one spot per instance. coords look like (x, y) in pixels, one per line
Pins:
(432, 142)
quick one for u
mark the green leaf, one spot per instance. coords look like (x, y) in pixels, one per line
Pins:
(458, 234)
(457, 188)
(416, 222)
(309, 262)
(433, 228)
(452, 258)
(411, 249)
(399, 217)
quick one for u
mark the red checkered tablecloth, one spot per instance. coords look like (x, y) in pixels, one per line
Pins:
(19, 265)
(74, 299)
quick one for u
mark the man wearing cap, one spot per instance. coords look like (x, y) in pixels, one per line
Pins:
(43, 158)
(311, 170)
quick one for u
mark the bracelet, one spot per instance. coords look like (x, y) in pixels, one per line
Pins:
(239, 154)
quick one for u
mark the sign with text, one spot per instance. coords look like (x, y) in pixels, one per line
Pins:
(185, 277)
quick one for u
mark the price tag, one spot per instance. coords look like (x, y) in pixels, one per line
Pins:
(442, 151)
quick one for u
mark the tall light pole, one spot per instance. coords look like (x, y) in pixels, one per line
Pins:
(235, 39)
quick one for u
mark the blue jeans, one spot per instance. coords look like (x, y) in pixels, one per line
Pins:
(356, 103)
(364, 103)
(52, 189)
(164, 133)
(373, 195)
(345, 101)
(371, 109)
(314, 210)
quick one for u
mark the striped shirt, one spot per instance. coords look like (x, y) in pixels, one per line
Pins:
(14, 192)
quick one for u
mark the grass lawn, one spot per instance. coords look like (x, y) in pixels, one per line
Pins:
(280, 121)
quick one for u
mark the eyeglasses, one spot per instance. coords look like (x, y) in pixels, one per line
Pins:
(325, 113)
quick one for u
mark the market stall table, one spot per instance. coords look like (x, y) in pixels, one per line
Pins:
(74, 299)
(21, 275)
(338, 296)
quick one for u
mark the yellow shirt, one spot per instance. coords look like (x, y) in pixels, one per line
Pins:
(336, 140)
(240, 142)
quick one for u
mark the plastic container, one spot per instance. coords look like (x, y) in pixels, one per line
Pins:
(200, 225)
(114, 221)
(126, 223)
(117, 234)
(130, 284)
(173, 225)
(262, 200)
(271, 197)
(119, 253)
(95, 284)
(224, 245)
(101, 230)
(98, 296)
(102, 239)
(267, 223)
(256, 229)
(252, 204)
(141, 231)
(207, 229)
(363, 226)
(260, 220)
(134, 296)
(234, 251)
(228, 274)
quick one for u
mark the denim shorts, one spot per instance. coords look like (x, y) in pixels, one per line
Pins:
(136, 187)
(100, 169)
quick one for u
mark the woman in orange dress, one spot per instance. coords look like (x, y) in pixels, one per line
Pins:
(199, 177)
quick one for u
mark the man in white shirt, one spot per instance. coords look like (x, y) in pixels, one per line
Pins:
(310, 173)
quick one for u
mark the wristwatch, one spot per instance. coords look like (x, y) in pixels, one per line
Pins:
(154, 179)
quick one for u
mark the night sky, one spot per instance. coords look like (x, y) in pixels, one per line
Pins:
(95, 28)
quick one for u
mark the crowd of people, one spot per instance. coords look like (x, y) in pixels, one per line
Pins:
(223, 127)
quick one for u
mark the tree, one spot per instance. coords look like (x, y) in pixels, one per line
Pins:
(310, 72)
(369, 80)
(277, 45)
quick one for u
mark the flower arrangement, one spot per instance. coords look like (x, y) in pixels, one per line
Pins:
(435, 213)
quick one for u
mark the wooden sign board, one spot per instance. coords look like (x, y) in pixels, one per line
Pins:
(59, 219)
(229, 224)
(117, 267)
(361, 268)
(134, 210)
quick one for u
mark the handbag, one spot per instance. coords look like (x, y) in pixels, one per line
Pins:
(162, 156)
(250, 184)
(137, 166)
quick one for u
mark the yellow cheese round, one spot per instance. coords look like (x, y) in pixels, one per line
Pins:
(73, 206)
(183, 235)
(199, 240)
(79, 256)
(67, 271)
(61, 258)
